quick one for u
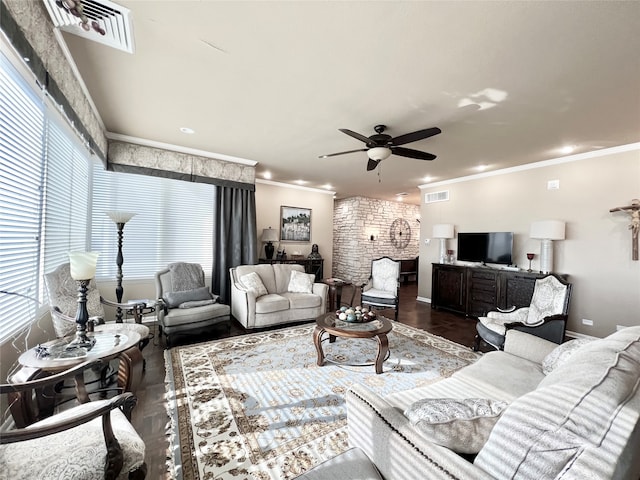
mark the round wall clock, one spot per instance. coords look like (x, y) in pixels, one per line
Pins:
(400, 233)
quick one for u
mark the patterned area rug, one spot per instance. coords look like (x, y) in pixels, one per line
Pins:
(258, 407)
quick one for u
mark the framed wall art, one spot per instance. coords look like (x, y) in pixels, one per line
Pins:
(295, 224)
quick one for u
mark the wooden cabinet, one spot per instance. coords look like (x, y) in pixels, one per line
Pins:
(482, 286)
(475, 291)
(449, 288)
(311, 265)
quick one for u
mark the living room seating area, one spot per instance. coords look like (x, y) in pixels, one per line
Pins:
(570, 411)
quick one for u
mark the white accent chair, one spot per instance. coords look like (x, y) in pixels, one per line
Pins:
(62, 291)
(546, 317)
(93, 440)
(382, 288)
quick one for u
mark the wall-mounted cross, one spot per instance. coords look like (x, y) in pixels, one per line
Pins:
(634, 212)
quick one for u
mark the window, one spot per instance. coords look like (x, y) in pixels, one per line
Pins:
(173, 223)
(44, 173)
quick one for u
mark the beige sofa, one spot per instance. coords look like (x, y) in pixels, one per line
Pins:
(278, 304)
(580, 420)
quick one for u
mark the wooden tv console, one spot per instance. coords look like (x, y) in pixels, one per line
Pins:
(473, 291)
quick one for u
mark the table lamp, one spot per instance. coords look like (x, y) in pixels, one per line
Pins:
(83, 269)
(547, 231)
(443, 231)
(269, 235)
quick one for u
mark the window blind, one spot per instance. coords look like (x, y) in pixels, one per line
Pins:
(44, 201)
(21, 168)
(173, 223)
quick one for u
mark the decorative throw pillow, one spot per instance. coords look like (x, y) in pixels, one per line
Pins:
(174, 299)
(197, 303)
(561, 354)
(300, 282)
(462, 425)
(253, 283)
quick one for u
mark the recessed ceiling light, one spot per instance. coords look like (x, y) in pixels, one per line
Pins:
(482, 168)
(426, 179)
(187, 130)
(567, 149)
(301, 182)
(328, 187)
(266, 175)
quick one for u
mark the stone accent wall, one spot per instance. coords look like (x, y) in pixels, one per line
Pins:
(355, 219)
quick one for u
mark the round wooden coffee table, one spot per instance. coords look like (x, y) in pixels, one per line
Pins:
(377, 329)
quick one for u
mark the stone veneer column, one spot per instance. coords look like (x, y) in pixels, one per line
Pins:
(355, 219)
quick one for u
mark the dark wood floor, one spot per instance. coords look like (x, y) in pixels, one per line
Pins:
(150, 416)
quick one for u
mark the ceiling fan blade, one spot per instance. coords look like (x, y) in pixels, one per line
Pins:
(372, 164)
(415, 136)
(411, 153)
(343, 153)
(353, 134)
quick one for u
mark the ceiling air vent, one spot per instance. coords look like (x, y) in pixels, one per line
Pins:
(437, 197)
(106, 22)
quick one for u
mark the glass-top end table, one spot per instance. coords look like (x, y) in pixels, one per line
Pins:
(378, 329)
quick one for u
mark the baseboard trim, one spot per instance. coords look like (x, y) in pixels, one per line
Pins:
(571, 334)
(423, 299)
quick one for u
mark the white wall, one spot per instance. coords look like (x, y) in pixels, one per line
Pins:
(597, 251)
(270, 196)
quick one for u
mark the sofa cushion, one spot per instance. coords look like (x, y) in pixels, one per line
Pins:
(174, 299)
(271, 302)
(253, 283)
(575, 424)
(282, 275)
(181, 316)
(197, 303)
(461, 425)
(265, 271)
(502, 375)
(303, 300)
(300, 282)
(559, 355)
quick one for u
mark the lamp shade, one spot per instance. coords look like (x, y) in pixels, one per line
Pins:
(443, 230)
(120, 217)
(548, 229)
(378, 153)
(269, 235)
(83, 265)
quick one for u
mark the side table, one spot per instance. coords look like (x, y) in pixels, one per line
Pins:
(335, 292)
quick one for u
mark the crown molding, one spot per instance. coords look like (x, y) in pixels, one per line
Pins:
(295, 187)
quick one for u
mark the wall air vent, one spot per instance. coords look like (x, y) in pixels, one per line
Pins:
(437, 197)
(99, 20)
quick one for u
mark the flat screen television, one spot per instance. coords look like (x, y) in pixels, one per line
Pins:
(489, 247)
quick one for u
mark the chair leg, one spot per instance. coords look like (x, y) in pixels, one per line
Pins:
(476, 343)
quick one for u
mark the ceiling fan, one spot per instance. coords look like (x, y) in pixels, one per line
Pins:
(381, 145)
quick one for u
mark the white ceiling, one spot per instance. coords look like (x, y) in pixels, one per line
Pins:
(508, 83)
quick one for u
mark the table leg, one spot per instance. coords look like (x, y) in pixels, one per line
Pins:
(383, 349)
(317, 340)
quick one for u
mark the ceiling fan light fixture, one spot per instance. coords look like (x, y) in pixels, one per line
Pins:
(379, 153)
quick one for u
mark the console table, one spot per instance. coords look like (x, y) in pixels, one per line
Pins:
(474, 291)
(311, 265)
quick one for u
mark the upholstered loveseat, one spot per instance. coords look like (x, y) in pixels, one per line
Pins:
(265, 295)
(570, 412)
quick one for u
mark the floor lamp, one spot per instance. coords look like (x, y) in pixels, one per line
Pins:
(119, 218)
(547, 231)
(443, 231)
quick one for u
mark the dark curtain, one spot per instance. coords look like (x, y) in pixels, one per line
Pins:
(234, 238)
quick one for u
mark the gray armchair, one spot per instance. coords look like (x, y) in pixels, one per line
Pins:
(382, 288)
(546, 317)
(185, 303)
